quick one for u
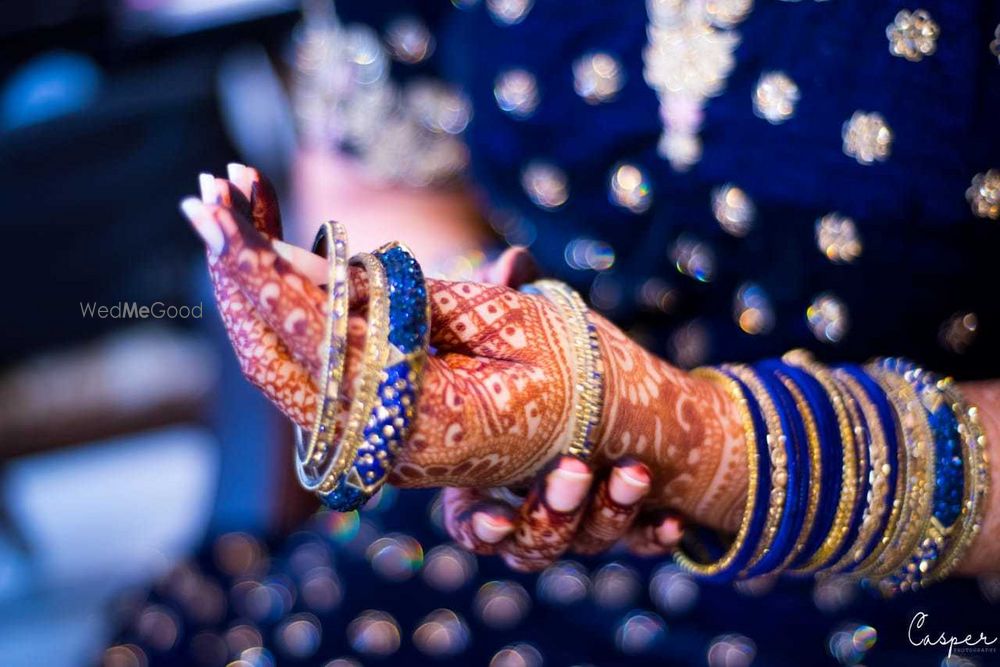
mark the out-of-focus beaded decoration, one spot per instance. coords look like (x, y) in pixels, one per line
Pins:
(597, 77)
(409, 40)
(693, 258)
(867, 138)
(775, 97)
(508, 12)
(752, 309)
(630, 188)
(958, 332)
(345, 99)
(828, 318)
(545, 184)
(686, 61)
(733, 209)
(984, 194)
(912, 35)
(838, 239)
(995, 44)
(516, 93)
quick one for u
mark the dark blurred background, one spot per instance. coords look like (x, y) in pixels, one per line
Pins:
(113, 431)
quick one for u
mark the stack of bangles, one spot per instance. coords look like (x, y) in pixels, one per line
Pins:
(878, 472)
(347, 455)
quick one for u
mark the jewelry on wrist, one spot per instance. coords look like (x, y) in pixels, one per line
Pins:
(588, 385)
(727, 566)
(311, 452)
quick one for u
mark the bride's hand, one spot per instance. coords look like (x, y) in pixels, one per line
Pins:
(496, 394)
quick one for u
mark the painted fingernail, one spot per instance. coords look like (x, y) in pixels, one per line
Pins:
(209, 190)
(628, 484)
(238, 175)
(194, 210)
(668, 533)
(567, 485)
(490, 529)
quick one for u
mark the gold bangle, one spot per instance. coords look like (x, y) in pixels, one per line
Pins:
(374, 356)
(878, 474)
(778, 455)
(815, 467)
(976, 480)
(848, 487)
(736, 393)
(333, 238)
(589, 381)
(917, 442)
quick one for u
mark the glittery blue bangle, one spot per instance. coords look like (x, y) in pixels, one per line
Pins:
(948, 475)
(797, 455)
(878, 398)
(391, 419)
(831, 459)
(762, 492)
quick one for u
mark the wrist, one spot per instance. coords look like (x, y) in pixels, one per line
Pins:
(685, 428)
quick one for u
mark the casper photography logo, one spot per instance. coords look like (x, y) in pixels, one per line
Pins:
(924, 633)
(132, 310)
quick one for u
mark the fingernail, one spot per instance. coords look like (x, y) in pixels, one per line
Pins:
(238, 175)
(668, 533)
(567, 485)
(209, 190)
(628, 484)
(194, 210)
(490, 529)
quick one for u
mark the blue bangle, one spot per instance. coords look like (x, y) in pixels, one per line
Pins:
(887, 421)
(392, 416)
(830, 459)
(797, 456)
(736, 560)
(948, 476)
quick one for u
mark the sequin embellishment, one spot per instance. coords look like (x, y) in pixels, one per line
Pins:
(775, 97)
(912, 35)
(983, 195)
(867, 138)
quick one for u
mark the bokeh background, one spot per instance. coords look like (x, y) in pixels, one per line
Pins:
(148, 516)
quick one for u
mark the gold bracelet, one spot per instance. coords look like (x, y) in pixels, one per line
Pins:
(778, 455)
(815, 467)
(333, 238)
(976, 476)
(848, 487)
(589, 381)
(878, 474)
(736, 393)
(375, 354)
(917, 442)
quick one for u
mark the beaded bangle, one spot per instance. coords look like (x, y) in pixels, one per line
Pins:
(862, 442)
(374, 356)
(877, 488)
(948, 477)
(918, 473)
(778, 457)
(866, 555)
(812, 465)
(976, 482)
(589, 382)
(331, 241)
(396, 367)
(774, 551)
(726, 567)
